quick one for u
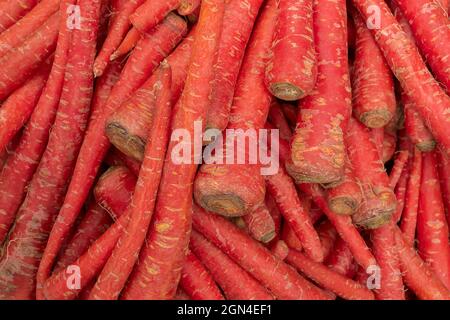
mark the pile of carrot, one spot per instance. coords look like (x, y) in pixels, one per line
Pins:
(117, 180)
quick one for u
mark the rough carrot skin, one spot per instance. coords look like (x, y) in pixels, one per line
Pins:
(22, 164)
(107, 193)
(283, 191)
(129, 42)
(49, 183)
(318, 151)
(161, 260)
(328, 235)
(344, 227)
(129, 126)
(150, 13)
(280, 249)
(260, 224)
(341, 259)
(329, 279)
(238, 23)
(429, 24)
(432, 228)
(188, 7)
(20, 63)
(405, 62)
(444, 175)
(235, 282)
(12, 11)
(379, 201)
(197, 282)
(371, 74)
(292, 70)
(276, 276)
(124, 256)
(390, 137)
(233, 190)
(278, 119)
(145, 58)
(417, 274)
(400, 163)
(117, 31)
(17, 109)
(290, 238)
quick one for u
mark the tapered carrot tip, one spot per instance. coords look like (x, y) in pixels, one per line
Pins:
(376, 211)
(376, 118)
(286, 91)
(343, 205)
(131, 145)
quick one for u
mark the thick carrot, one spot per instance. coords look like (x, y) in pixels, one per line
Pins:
(432, 228)
(19, 106)
(49, 183)
(318, 150)
(197, 282)
(260, 224)
(238, 24)
(341, 259)
(371, 73)
(22, 164)
(107, 189)
(235, 282)
(161, 260)
(405, 62)
(292, 69)
(150, 13)
(124, 256)
(329, 279)
(12, 11)
(188, 7)
(20, 63)
(129, 126)
(444, 176)
(129, 42)
(276, 276)
(15, 35)
(416, 273)
(235, 189)
(379, 201)
(145, 58)
(117, 31)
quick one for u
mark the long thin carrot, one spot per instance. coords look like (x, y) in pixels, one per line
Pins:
(150, 13)
(129, 42)
(444, 176)
(341, 259)
(12, 11)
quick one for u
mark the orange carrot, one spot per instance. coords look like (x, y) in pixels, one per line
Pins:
(12, 11)
(444, 175)
(188, 7)
(260, 224)
(129, 42)
(150, 13)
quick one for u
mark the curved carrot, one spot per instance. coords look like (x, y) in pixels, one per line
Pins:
(12, 11)
(129, 42)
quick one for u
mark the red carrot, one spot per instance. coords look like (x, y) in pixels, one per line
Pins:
(329, 279)
(145, 58)
(432, 228)
(318, 150)
(371, 73)
(328, 236)
(280, 249)
(188, 7)
(15, 35)
(22, 164)
(129, 42)
(444, 175)
(238, 24)
(150, 13)
(260, 224)
(278, 119)
(12, 11)
(292, 70)
(197, 282)
(276, 276)
(341, 259)
(399, 164)
(159, 268)
(125, 254)
(20, 63)
(117, 30)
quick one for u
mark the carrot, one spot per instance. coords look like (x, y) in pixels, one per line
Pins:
(432, 228)
(291, 113)
(276, 276)
(328, 235)
(329, 279)
(416, 273)
(371, 73)
(341, 259)
(283, 191)
(117, 30)
(444, 175)
(235, 282)
(292, 70)
(20, 63)
(17, 33)
(188, 7)
(399, 164)
(107, 193)
(129, 42)
(197, 282)
(117, 158)
(260, 224)
(408, 67)
(274, 213)
(145, 58)
(318, 150)
(128, 127)
(290, 238)
(22, 164)
(19, 106)
(124, 256)
(12, 11)
(379, 201)
(237, 28)
(150, 13)
(278, 119)
(47, 188)
(235, 189)
(280, 249)
(160, 263)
